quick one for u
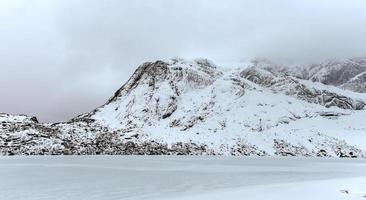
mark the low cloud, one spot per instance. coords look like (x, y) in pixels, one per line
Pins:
(62, 58)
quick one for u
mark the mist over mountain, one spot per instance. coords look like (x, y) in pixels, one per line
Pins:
(68, 56)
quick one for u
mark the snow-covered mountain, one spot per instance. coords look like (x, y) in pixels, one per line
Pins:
(347, 74)
(196, 107)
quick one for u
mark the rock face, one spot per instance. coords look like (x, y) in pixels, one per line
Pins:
(180, 107)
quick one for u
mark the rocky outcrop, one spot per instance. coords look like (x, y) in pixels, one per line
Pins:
(80, 138)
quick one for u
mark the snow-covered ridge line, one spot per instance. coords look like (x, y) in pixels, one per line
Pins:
(194, 107)
(345, 73)
(304, 90)
(16, 118)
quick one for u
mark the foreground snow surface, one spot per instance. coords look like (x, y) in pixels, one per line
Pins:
(162, 177)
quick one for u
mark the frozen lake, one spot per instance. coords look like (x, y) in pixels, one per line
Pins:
(162, 177)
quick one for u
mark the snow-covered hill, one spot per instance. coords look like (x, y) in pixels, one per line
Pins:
(196, 107)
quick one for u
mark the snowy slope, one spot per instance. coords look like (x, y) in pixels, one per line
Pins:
(357, 83)
(196, 107)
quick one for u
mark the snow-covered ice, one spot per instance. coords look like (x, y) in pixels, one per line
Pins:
(164, 177)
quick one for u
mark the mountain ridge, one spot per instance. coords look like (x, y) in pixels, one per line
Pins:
(340, 73)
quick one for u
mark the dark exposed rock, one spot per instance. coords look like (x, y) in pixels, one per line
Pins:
(330, 114)
(284, 148)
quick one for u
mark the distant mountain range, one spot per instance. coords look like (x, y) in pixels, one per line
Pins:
(194, 107)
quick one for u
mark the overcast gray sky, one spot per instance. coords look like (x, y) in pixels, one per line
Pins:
(62, 58)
